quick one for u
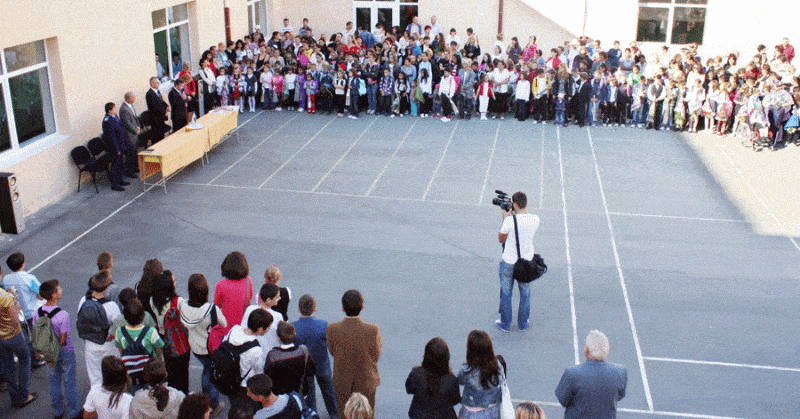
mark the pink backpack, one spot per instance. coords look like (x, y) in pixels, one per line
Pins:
(216, 333)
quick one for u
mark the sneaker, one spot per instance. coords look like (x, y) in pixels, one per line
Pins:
(535, 122)
(341, 115)
(524, 328)
(279, 109)
(605, 125)
(483, 118)
(494, 116)
(500, 326)
(445, 119)
(503, 118)
(391, 116)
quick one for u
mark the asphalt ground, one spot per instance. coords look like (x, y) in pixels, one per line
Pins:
(682, 249)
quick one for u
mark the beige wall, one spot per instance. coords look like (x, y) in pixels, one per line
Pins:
(98, 50)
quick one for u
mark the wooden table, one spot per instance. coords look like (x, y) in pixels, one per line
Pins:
(219, 123)
(172, 154)
(183, 147)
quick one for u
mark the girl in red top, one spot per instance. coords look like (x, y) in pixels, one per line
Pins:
(234, 293)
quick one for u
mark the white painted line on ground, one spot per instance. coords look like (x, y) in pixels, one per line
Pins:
(341, 159)
(678, 217)
(639, 411)
(753, 190)
(339, 194)
(99, 223)
(489, 167)
(541, 184)
(642, 369)
(396, 150)
(722, 364)
(295, 154)
(569, 257)
(211, 182)
(441, 159)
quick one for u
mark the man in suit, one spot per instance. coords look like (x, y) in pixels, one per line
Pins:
(133, 127)
(158, 110)
(311, 332)
(583, 94)
(356, 347)
(591, 390)
(116, 146)
(177, 103)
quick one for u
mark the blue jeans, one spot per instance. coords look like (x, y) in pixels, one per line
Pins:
(64, 372)
(17, 385)
(372, 96)
(326, 388)
(205, 380)
(506, 291)
(593, 118)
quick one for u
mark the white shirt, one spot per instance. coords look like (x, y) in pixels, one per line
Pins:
(523, 91)
(498, 76)
(436, 29)
(527, 224)
(270, 339)
(287, 29)
(97, 401)
(251, 362)
(448, 39)
(447, 86)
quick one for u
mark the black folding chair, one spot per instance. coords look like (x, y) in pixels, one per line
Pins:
(83, 159)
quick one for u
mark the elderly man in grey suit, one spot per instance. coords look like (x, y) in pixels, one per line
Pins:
(133, 127)
(591, 390)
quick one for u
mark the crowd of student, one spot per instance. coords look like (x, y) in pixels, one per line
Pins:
(423, 71)
(138, 343)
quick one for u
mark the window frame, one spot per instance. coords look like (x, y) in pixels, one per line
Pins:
(670, 6)
(251, 9)
(374, 5)
(20, 152)
(167, 28)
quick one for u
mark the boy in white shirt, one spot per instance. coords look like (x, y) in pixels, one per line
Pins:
(94, 350)
(269, 296)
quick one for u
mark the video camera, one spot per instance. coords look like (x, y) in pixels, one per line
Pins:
(502, 200)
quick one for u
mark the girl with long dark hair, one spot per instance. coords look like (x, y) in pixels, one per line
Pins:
(433, 385)
(482, 377)
(164, 298)
(110, 400)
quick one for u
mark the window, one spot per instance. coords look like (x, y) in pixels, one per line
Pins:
(387, 12)
(257, 15)
(672, 21)
(171, 38)
(26, 104)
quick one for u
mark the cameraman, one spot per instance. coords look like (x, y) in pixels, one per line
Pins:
(527, 225)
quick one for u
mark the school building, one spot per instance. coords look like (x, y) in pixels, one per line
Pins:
(62, 60)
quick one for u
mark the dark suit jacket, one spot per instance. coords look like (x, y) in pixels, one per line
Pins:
(114, 135)
(130, 122)
(591, 390)
(177, 109)
(157, 108)
(356, 348)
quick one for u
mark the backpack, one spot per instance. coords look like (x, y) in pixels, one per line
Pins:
(216, 333)
(305, 411)
(226, 372)
(92, 322)
(176, 337)
(135, 356)
(44, 339)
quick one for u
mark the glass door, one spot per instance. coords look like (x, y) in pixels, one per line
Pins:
(370, 13)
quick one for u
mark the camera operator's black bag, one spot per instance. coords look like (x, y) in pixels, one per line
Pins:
(527, 270)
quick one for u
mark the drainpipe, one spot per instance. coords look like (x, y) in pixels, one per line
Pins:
(227, 21)
(500, 17)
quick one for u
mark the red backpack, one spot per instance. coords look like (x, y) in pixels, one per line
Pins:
(216, 333)
(175, 334)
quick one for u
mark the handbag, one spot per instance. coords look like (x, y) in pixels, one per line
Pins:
(506, 406)
(527, 270)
